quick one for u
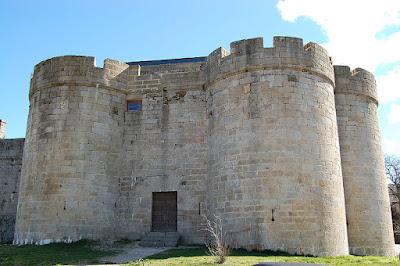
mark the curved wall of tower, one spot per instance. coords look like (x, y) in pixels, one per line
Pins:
(68, 189)
(274, 161)
(369, 222)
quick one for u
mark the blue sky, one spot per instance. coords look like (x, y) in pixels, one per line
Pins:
(141, 30)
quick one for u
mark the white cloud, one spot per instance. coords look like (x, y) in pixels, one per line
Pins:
(389, 86)
(351, 27)
(394, 114)
(391, 147)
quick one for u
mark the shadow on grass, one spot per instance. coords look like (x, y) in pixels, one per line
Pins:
(196, 255)
(51, 254)
(198, 251)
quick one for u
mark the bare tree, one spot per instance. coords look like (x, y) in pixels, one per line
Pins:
(392, 167)
(216, 241)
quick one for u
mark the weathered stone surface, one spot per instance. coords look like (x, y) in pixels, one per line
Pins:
(250, 135)
(10, 169)
(369, 221)
(274, 151)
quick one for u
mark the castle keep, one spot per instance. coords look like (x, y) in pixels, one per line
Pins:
(280, 144)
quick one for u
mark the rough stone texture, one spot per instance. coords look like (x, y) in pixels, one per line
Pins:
(10, 169)
(2, 129)
(71, 158)
(250, 135)
(165, 148)
(274, 149)
(369, 221)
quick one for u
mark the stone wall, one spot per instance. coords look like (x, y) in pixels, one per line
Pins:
(275, 176)
(10, 169)
(165, 147)
(369, 222)
(73, 151)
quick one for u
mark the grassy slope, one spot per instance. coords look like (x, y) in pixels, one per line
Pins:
(197, 256)
(49, 254)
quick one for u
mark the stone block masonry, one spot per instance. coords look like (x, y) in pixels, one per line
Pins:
(10, 169)
(273, 140)
(369, 221)
(271, 110)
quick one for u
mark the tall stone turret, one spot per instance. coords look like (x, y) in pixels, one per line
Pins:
(369, 222)
(274, 162)
(68, 185)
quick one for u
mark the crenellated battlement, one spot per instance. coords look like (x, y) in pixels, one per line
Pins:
(72, 60)
(244, 55)
(286, 53)
(357, 81)
(114, 69)
(247, 46)
(288, 43)
(78, 70)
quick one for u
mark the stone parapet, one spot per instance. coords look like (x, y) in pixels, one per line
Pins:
(356, 82)
(78, 70)
(286, 53)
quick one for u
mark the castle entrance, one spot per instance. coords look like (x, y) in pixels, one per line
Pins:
(164, 212)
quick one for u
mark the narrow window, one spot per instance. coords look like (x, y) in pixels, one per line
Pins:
(134, 105)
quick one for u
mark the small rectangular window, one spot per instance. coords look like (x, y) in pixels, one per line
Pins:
(134, 105)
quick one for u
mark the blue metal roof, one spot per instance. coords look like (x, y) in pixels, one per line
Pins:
(169, 61)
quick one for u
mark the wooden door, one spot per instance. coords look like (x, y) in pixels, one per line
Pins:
(164, 212)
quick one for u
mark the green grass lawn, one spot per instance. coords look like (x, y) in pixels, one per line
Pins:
(198, 256)
(51, 254)
(86, 252)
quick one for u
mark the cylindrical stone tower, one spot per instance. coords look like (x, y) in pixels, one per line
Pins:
(369, 222)
(274, 162)
(72, 148)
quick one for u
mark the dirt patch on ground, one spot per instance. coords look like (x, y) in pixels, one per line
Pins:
(129, 252)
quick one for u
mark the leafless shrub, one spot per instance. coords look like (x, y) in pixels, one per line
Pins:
(216, 241)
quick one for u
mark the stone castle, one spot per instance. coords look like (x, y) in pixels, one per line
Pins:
(278, 142)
